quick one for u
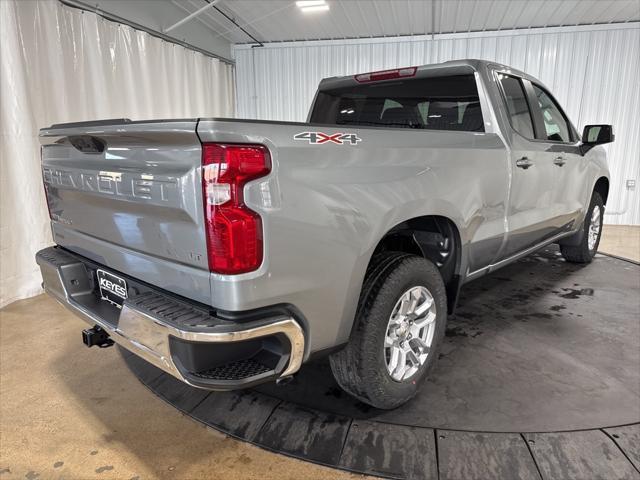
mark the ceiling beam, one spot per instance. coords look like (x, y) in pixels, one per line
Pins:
(250, 23)
(233, 20)
(205, 20)
(190, 16)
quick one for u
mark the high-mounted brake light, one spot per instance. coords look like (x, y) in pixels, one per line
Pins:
(386, 74)
(234, 232)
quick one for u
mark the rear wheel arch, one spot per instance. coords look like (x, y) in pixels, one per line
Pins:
(434, 237)
(364, 367)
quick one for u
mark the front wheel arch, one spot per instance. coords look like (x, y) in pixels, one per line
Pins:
(576, 249)
(602, 187)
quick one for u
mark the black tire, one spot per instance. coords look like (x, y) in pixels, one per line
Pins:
(581, 253)
(360, 368)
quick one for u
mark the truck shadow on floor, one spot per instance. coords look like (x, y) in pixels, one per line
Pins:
(518, 350)
(522, 349)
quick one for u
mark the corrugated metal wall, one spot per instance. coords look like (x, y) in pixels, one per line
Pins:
(593, 71)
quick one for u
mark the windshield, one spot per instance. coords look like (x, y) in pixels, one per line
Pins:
(441, 103)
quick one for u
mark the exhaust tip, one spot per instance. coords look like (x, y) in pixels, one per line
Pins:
(282, 381)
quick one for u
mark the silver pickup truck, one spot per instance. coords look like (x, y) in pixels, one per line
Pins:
(229, 252)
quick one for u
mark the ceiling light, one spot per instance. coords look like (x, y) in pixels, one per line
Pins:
(316, 8)
(312, 5)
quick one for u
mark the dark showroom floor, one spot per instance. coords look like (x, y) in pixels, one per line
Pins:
(538, 378)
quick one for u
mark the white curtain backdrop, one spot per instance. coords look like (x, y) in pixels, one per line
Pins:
(593, 70)
(60, 64)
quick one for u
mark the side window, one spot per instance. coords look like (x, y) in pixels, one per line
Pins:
(517, 105)
(555, 123)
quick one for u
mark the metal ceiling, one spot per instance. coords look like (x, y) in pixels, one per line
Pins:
(281, 20)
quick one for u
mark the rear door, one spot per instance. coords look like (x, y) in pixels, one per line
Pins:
(128, 195)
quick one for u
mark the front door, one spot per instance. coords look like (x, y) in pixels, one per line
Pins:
(531, 215)
(561, 145)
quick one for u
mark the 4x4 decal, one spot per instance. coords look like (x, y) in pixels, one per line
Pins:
(318, 138)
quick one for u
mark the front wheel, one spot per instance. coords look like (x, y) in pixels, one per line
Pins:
(584, 251)
(400, 324)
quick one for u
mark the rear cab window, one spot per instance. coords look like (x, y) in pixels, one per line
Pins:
(438, 103)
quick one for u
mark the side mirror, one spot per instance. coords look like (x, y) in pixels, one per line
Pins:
(593, 135)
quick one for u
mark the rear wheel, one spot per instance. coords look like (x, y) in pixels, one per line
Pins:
(591, 233)
(399, 326)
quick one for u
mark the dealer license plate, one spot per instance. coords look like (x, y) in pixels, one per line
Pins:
(113, 288)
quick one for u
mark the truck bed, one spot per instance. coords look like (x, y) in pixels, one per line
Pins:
(137, 206)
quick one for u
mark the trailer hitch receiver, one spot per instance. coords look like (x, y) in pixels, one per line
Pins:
(96, 336)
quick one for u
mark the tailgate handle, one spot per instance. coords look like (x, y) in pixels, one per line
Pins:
(87, 143)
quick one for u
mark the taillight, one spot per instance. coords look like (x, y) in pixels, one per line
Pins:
(234, 232)
(44, 184)
(386, 74)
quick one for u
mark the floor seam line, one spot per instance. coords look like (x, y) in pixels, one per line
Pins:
(435, 438)
(344, 443)
(533, 457)
(259, 431)
(199, 403)
(620, 448)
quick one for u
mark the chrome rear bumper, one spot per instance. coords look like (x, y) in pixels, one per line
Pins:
(149, 325)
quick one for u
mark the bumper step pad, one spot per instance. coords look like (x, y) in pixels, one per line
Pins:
(234, 371)
(174, 312)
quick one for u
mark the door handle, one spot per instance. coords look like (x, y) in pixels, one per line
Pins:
(559, 161)
(523, 162)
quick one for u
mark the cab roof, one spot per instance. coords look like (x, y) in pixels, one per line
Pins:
(452, 67)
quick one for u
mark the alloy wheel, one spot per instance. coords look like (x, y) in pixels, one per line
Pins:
(410, 333)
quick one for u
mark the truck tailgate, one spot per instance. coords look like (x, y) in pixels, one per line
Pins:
(128, 195)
